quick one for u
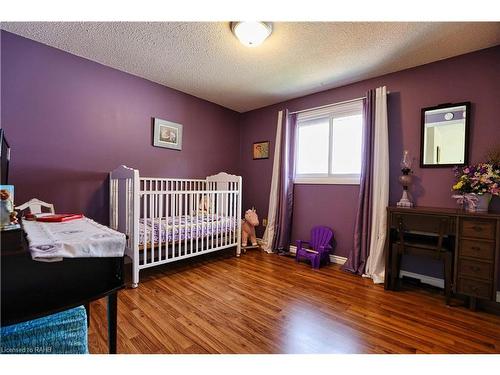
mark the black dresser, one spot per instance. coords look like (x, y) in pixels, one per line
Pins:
(32, 289)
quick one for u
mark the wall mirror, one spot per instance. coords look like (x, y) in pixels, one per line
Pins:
(445, 135)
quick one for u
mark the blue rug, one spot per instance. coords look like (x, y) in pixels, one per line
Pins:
(61, 333)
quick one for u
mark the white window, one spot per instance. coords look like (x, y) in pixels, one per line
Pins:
(328, 144)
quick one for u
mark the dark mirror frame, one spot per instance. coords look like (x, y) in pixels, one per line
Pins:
(467, 132)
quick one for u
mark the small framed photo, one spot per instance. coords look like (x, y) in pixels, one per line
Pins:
(167, 134)
(260, 150)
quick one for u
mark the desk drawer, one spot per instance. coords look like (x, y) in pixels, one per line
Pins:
(474, 288)
(471, 268)
(416, 222)
(477, 249)
(474, 228)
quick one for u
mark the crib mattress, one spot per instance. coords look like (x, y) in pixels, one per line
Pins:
(174, 229)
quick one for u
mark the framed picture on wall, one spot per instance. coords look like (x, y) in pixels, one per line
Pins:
(167, 134)
(260, 150)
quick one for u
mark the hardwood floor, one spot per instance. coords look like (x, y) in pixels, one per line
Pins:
(261, 303)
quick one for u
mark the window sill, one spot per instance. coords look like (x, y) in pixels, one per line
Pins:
(327, 181)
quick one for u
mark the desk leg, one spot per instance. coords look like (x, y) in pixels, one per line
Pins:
(472, 303)
(395, 267)
(447, 276)
(112, 314)
(387, 246)
(87, 310)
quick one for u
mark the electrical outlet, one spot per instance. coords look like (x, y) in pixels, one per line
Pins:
(264, 222)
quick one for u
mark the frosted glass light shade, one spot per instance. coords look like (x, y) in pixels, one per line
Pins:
(251, 34)
(405, 160)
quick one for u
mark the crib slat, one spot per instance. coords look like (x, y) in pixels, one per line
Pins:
(229, 216)
(148, 205)
(217, 216)
(155, 220)
(228, 197)
(145, 233)
(152, 206)
(198, 224)
(191, 222)
(160, 227)
(178, 221)
(223, 217)
(166, 211)
(175, 202)
(175, 227)
(202, 235)
(168, 243)
(226, 215)
(209, 223)
(212, 202)
(235, 222)
(236, 216)
(185, 223)
(207, 242)
(172, 224)
(214, 221)
(130, 210)
(229, 228)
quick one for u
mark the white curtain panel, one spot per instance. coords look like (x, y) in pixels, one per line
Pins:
(375, 267)
(267, 240)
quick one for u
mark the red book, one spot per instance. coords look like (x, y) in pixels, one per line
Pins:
(58, 218)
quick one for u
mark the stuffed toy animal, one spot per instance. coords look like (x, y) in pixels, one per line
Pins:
(205, 206)
(248, 225)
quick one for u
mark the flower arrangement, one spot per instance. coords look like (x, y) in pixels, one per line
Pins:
(482, 178)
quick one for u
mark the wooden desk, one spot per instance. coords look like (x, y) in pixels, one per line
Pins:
(32, 289)
(476, 238)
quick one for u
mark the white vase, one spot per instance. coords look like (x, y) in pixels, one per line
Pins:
(482, 203)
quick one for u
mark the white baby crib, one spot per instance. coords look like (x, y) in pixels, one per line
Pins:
(168, 219)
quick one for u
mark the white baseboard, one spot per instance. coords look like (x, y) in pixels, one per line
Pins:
(424, 279)
(337, 259)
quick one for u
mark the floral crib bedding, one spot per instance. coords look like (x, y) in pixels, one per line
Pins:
(180, 228)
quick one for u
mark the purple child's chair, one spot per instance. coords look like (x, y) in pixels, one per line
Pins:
(320, 243)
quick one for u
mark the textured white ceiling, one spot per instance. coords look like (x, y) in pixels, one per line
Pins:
(206, 60)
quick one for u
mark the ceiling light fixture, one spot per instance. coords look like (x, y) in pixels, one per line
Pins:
(251, 34)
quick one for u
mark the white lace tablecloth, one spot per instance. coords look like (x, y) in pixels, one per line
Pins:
(80, 238)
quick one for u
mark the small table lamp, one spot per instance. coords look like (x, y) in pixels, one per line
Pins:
(405, 180)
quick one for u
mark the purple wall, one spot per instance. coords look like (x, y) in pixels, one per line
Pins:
(472, 77)
(70, 121)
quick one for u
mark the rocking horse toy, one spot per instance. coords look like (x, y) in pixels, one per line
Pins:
(248, 225)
